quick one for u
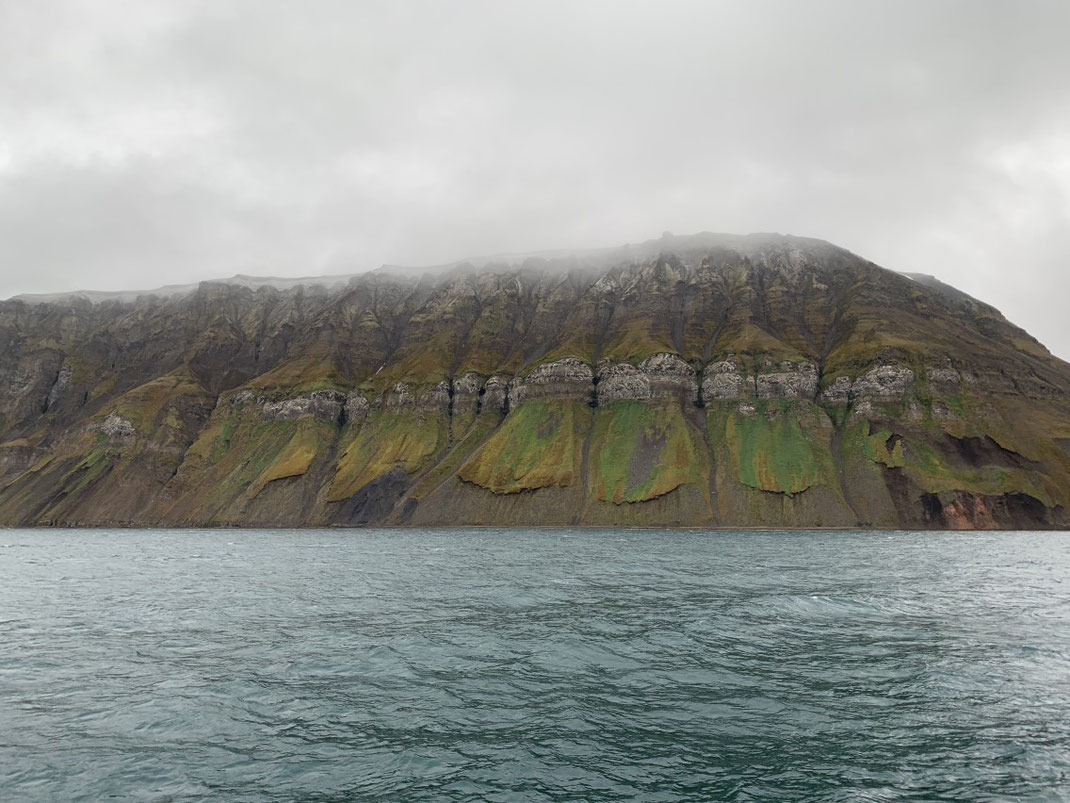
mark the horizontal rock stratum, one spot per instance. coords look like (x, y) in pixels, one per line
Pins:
(702, 381)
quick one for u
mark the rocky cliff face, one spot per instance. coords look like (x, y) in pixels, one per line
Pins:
(568, 378)
(660, 376)
(699, 381)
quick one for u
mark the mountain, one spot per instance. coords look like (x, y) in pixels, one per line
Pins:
(707, 381)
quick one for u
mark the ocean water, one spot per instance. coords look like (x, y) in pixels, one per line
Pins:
(533, 665)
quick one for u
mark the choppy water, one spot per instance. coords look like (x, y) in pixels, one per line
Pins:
(533, 665)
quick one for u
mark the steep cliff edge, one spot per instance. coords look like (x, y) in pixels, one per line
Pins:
(710, 380)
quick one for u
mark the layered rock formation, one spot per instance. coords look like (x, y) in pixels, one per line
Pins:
(660, 376)
(568, 378)
(707, 381)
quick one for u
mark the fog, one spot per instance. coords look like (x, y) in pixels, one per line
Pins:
(150, 143)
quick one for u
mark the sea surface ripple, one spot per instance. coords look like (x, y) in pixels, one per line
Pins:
(533, 665)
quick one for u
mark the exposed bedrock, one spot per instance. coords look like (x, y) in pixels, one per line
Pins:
(18, 456)
(723, 381)
(946, 379)
(114, 425)
(664, 376)
(17, 380)
(838, 391)
(403, 396)
(660, 376)
(968, 510)
(568, 378)
(752, 381)
(468, 393)
(32, 384)
(496, 393)
(884, 383)
(326, 405)
(728, 380)
(657, 377)
(63, 379)
(356, 407)
(466, 390)
(788, 380)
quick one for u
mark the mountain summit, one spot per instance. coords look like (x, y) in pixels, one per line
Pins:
(708, 380)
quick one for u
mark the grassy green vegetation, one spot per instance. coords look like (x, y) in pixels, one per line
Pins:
(103, 387)
(94, 465)
(639, 452)
(384, 441)
(934, 474)
(930, 469)
(233, 459)
(312, 370)
(572, 348)
(1040, 433)
(486, 349)
(782, 447)
(296, 457)
(746, 339)
(142, 405)
(425, 363)
(859, 352)
(537, 446)
(875, 447)
(167, 365)
(476, 434)
(638, 338)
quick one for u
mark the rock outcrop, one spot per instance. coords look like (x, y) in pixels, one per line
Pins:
(788, 380)
(404, 396)
(660, 376)
(567, 378)
(695, 381)
(496, 393)
(723, 381)
(467, 395)
(356, 407)
(115, 426)
(326, 405)
(882, 383)
(63, 378)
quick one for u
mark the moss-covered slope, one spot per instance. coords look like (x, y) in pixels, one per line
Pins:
(710, 380)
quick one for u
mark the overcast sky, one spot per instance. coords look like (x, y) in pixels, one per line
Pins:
(150, 142)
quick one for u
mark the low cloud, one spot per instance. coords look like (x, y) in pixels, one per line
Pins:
(152, 143)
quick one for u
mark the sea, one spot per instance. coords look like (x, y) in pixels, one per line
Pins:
(533, 665)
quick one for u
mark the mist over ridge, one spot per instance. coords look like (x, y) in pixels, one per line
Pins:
(560, 259)
(147, 145)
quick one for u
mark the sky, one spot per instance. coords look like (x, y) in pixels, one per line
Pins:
(149, 143)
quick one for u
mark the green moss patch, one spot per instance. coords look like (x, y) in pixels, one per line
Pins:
(638, 338)
(479, 431)
(881, 446)
(231, 460)
(95, 464)
(934, 474)
(640, 452)
(387, 440)
(782, 446)
(537, 446)
(293, 461)
(142, 405)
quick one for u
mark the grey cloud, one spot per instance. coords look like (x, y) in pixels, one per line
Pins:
(165, 142)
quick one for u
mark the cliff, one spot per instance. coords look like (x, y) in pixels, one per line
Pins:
(711, 380)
